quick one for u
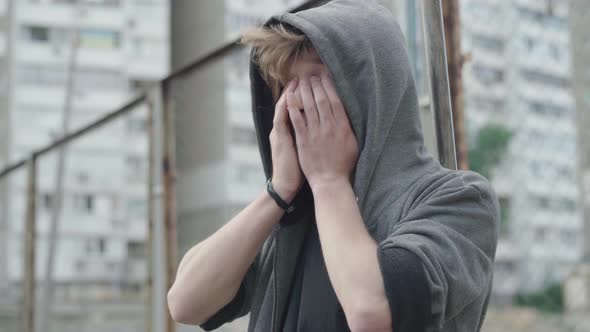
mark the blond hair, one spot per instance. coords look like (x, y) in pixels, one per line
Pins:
(275, 48)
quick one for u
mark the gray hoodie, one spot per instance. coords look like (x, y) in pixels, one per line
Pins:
(436, 228)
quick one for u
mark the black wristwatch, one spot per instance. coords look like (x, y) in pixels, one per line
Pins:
(277, 198)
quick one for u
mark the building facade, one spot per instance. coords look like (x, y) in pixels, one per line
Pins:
(519, 77)
(102, 229)
(580, 43)
(4, 135)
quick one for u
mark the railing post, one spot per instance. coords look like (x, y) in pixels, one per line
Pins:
(150, 219)
(30, 235)
(163, 199)
(169, 191)
(438, 78)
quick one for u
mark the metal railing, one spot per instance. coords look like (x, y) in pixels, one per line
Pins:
(162, 158)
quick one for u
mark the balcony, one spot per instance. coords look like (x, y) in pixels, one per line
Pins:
(59, 55)
(67, 15)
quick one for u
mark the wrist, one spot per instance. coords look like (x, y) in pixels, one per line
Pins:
(288, 195)
(330, 186)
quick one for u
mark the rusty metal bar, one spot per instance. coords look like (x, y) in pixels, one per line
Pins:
(438, 77)
(169, 192)
(159, 303)
(129, 106)
(149, 281)
(28, 323)
(452, 25)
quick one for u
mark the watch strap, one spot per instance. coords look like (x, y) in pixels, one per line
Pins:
(277, 198)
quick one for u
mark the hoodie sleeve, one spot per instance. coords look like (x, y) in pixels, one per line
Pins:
(438, 259)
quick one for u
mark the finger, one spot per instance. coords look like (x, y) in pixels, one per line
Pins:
(280, 116)
(296, 117)
(338, 109)
(322, 102)
(311, 113)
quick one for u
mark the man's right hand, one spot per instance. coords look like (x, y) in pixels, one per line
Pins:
(287, 175)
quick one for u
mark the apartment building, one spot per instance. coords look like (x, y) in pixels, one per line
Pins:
(580, 49)
(122, 45)
(519, 77)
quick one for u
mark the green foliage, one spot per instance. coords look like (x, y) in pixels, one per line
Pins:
(549, 299)
(490, 146)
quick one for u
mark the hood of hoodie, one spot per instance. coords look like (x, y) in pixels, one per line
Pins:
(364, 50)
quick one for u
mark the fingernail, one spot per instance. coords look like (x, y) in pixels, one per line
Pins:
(315, 78)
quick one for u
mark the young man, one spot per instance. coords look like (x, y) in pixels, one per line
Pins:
(382, 237)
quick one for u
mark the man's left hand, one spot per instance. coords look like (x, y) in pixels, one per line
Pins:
(326, 144)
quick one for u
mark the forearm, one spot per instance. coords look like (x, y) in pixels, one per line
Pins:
(350, 254)
(210, 273)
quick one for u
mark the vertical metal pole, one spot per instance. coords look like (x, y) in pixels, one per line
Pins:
(436, 63)
(169, 173)
(158, 273)
(6, 131)
(452, 25)
(29, 268)
(150, 219)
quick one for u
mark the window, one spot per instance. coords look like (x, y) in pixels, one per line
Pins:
(548, 109)
(88, 78)
(41, 75)
(99, 39)
(85, 78)
(504, 214)
(134, 165)
(148, 47)
(89, 202)
(96, 246)
(488, 75)
(82, 177)
(36, 34)
(540, 234)
(110, 266)
(83, 203)
(80, 266)
(486, 103)
(103, 3)
(558, 204)
(544, 78)
(136, 249)
(136, 208)
(47, 200)
(489, 43)
(545, 17)
(555, 52)
(137, 125)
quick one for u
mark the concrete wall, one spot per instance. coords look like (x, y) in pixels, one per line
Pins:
(201, 119)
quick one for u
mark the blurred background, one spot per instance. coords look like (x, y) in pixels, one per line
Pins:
(111, 168)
